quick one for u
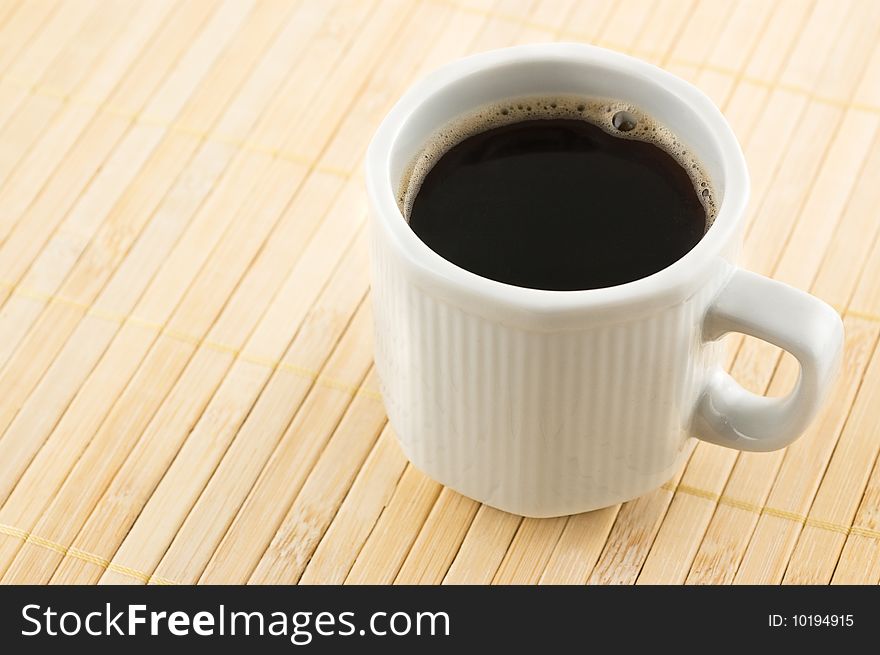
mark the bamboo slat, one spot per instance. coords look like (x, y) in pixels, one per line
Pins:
(186, 383)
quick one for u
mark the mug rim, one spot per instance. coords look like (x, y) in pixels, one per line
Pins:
(661, 288)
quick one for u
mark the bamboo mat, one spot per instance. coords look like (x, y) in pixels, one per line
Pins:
(186, 389)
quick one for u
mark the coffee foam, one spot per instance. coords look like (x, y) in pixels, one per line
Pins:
(598, 111)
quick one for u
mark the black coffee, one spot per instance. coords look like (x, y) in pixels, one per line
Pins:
(561, 203)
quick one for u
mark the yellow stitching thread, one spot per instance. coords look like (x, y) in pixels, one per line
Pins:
(732, 502)
(757, 81)
(88, 557)
(13, 532)
(266, 150)
(227, 140)
(865, 532)
(338, 385)
(784, 514)
(268, 362)
(827, 525)
(46, 543)
(772, 511)
(297, 370)
(861, 106)
(298, 159)
(740, 504)
(151, 325)
(192, 131)
(221, 347)
(130, 572)
(71, 303)
(699, 493)
(182, 336)
(110, 317)
(332, 170)
(78, 553)
(863, 315)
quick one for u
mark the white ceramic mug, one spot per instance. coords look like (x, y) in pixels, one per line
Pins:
(546, 403)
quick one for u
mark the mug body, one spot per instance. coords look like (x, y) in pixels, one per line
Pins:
(545, 403)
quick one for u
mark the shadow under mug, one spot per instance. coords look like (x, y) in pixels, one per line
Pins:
(546, 403)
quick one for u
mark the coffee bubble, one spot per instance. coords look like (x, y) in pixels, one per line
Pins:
(616, 117)
(624, 121)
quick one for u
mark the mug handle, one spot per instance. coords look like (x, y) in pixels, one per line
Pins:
(729, 415)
